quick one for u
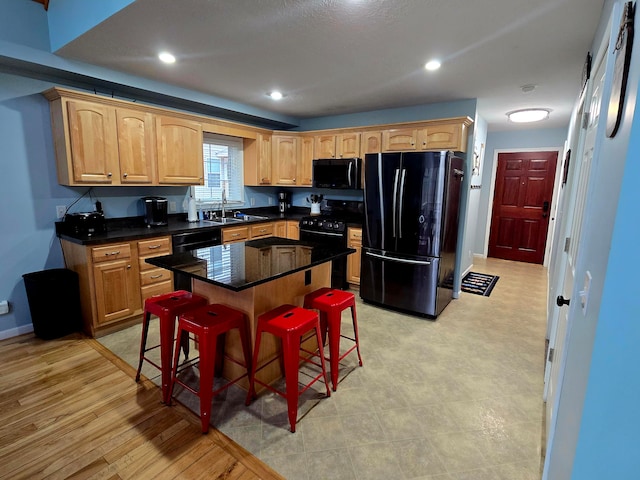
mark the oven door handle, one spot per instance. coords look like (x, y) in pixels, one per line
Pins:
(313, 232)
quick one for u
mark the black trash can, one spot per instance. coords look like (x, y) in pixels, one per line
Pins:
(54, 302)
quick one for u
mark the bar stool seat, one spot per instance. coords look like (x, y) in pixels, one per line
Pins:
(330, 303)
(290, 324)
(207, 323)
(166, 307)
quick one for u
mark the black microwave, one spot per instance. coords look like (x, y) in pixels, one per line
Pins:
(337, 173)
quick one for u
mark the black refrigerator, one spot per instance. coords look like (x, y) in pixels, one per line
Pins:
(412, 203)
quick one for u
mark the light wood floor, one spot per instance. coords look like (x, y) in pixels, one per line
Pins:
(69, 408)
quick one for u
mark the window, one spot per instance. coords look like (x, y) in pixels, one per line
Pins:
(222, 171)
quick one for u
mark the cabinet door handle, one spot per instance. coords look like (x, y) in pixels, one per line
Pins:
(125, 174)
(235, 234)
(112, 253)
(153, 247)
(128, 267)
(109, 174)
(155, 276)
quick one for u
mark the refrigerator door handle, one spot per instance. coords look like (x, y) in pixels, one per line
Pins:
(399, 260)
(404, 172)
(395, 200)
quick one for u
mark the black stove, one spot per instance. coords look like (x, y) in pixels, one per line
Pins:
(330, 227)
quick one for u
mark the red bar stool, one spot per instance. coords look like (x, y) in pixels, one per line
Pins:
(207, 323)
(290, 324)
(166, 307)
(330, 303)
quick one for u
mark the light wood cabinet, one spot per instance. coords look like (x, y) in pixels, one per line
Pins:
(305, 161)
(136, 146)
(257, 160)
(261, 230)
(115, 280)
(179, 151)
(345, 145)
(100, 141)
(371, 142)
(235, 234)
(86, 143)
(153, 280)
(353, 261)
(293, 229)
(443, 135)
(284, 158)
(280, 228)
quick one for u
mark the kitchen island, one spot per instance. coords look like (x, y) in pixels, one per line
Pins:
(255, 277)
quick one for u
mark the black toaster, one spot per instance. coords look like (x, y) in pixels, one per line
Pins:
(87, 223)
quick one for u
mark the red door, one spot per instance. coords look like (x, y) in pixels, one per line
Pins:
(521, 205)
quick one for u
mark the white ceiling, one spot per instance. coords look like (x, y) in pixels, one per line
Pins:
(333, 57)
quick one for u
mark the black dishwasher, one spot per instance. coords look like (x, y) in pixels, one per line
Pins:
(183, 242)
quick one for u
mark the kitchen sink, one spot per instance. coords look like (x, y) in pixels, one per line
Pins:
(249, 218)
(225, 220)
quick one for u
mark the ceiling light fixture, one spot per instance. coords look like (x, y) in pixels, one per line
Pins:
(432, 65)
(275, 95)
(166, 57)
(528, 115)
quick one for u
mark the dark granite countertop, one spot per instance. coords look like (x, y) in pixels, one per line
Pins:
(242, 265)
(134, 228)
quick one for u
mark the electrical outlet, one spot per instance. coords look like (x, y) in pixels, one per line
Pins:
(253, 202)
(172, 207)
(4, 307)
(60, 211)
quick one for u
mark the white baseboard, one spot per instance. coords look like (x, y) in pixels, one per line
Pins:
(16, 332)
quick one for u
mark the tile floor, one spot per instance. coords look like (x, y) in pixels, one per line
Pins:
(453, 399)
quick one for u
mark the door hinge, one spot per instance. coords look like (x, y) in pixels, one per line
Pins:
(567, 243)
(550, 358)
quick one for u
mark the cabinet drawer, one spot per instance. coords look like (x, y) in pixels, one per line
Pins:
(111, 252)
(155, 275)
(155, 289)
(355, 236)
(235, 234)
(154, 247)
(262, 230)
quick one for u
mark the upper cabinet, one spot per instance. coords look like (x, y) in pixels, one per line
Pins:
(305, 161)
(86, 143)
(450, 134)
(371, 142)
(179, 151)
(285, 157)
(136, 146)
(257, 160)
(344, 145)
(103, 141)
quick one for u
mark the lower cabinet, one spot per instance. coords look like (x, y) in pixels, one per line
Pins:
(353, 260)
(115, 280)
(280, 228)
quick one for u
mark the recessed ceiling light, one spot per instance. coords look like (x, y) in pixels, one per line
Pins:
(166, 57)
(275, 95)
(528, 115)
(432, 65)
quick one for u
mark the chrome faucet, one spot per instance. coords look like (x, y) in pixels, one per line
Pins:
(224, 201)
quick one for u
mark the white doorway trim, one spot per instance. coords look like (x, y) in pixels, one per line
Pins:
(554, 201)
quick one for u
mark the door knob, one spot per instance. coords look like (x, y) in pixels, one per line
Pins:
(560, 301)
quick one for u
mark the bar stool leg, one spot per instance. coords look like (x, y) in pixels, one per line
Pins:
(143, 342)
(291, 355)
(166, 347)
(354, 317)
(207, 367)
(334, 320)
(251, 394)
(322, 362)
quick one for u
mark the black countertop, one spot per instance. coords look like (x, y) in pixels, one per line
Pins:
(242, 265)
(134, 228)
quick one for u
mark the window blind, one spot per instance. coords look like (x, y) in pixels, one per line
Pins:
(222, 156)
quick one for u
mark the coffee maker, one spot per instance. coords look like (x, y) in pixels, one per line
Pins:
(284, 202)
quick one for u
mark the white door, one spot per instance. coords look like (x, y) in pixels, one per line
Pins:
(572, 218)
